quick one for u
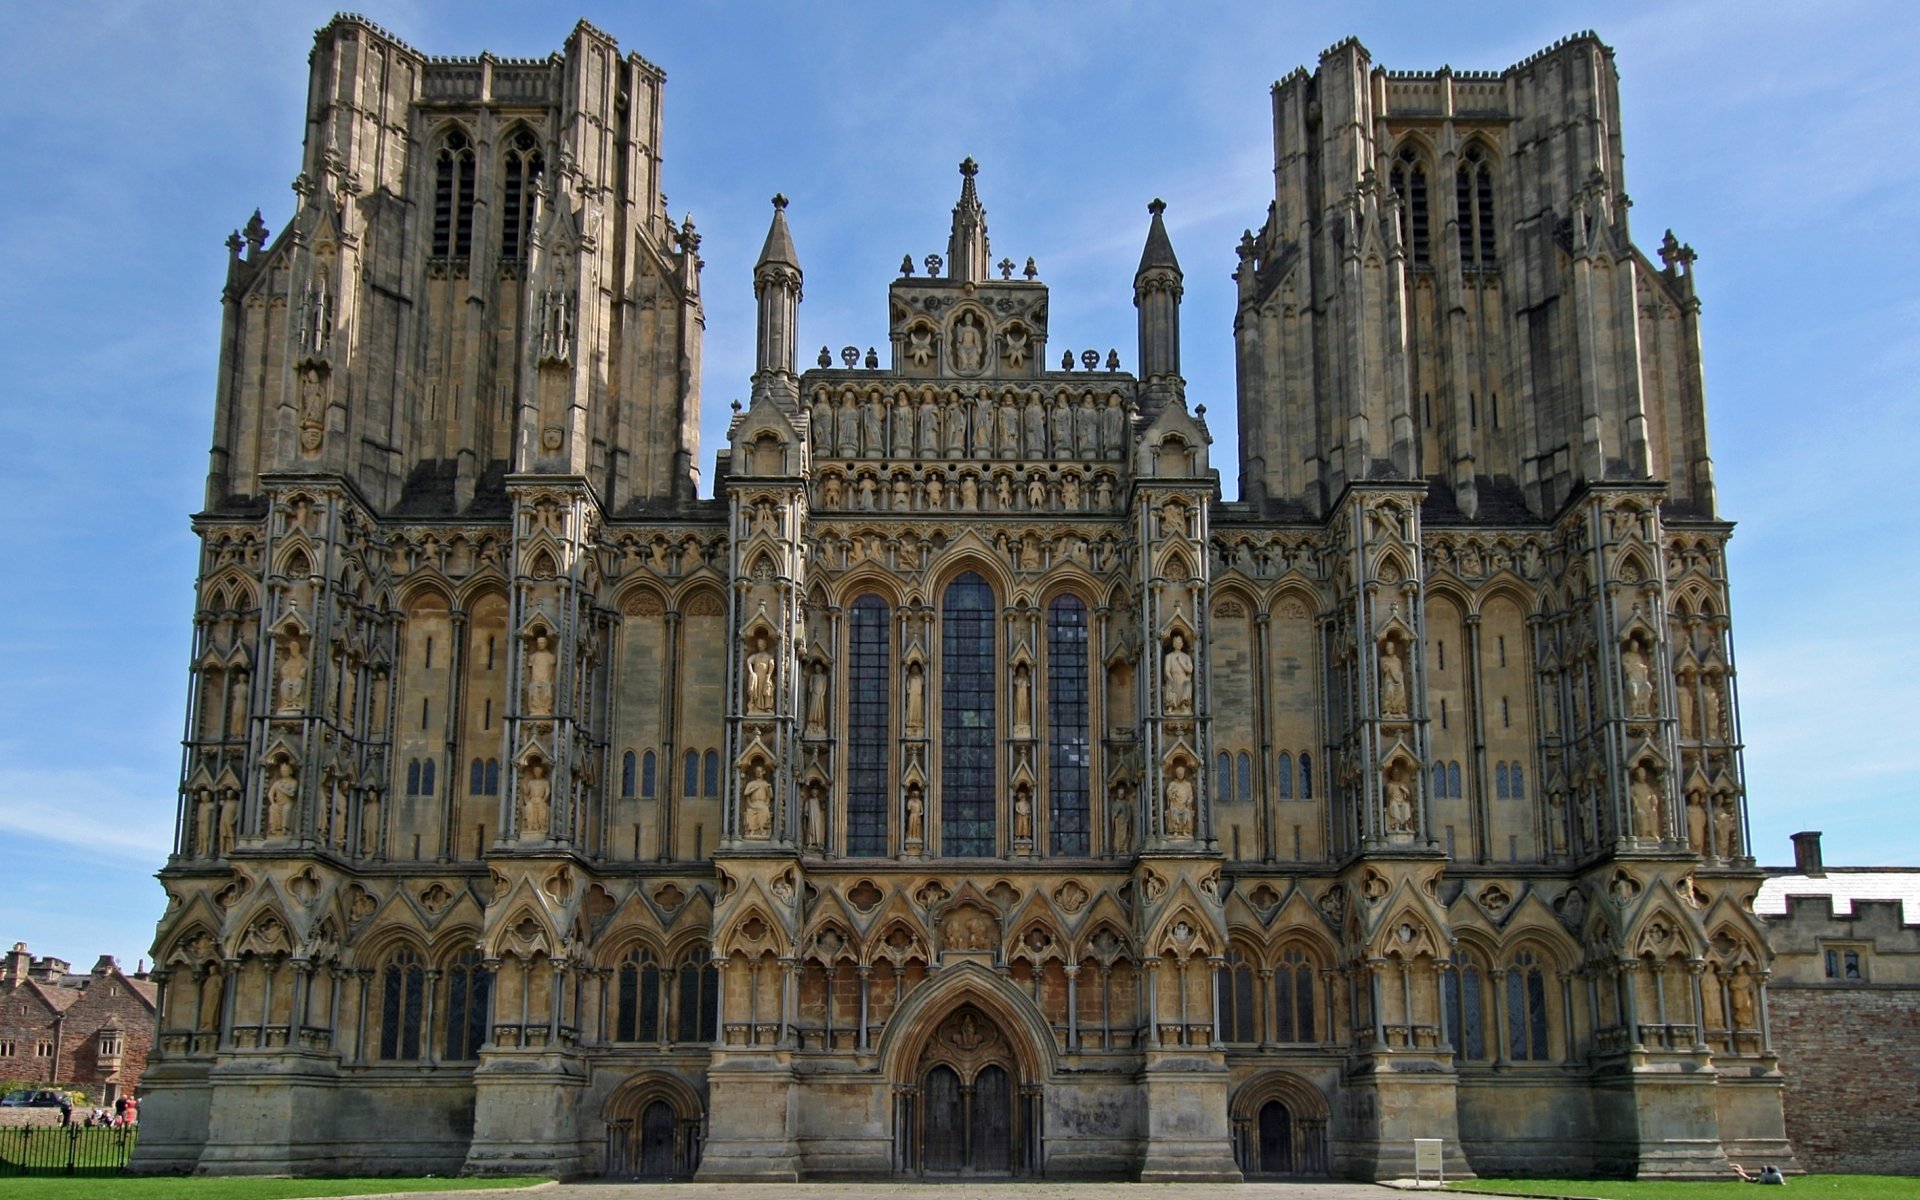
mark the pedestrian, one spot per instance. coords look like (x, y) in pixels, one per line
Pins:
(66, 1110)
(120, 1110)
(133, 1118)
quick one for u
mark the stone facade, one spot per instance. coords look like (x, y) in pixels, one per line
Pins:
(57, 1026)
(1844, 1007)
(966, 788)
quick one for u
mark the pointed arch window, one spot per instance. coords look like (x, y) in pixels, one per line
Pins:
(1473, 202)
(1466, 1031)
(1526, 1009)
(713, 775)
(637, 1011)
(1409, 181)
(1223, 776)
(697, 1003)
(690, 784)
(469, 991)
(1306, 776)
(627, 775)
(649, 768)
(403, 992)
(453, 197)
(967, 712)
(520, 173)
(1236, 1000)
(1293, 997)
(1283, 777)
(1069, 730)
(869, 678)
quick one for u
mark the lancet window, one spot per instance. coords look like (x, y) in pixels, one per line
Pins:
(1466, 1029)
(403, 992)
(1409, 181)
(1473, 201)
(1069, 730)
(967, 718)
(1526, 1009)
(868, 682)
(637, 1016)
(520, 173)
(1237, 1009)
(1294, 992)
(453, 198)
(469, 991)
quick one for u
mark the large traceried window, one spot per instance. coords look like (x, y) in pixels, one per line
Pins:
(967, 710)
(868, 680)
(1237, 1015)
(521, 174)
(1069, 729)
(1466, 1031)
(637, 1011)
(1526, 1009)
(1473, 202)
(453, 198)
(1409, 180)
(1294, 992)
(403, 992)
(469, 988)
(697, 1003)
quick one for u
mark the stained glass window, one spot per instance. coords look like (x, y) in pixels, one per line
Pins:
(469, 986)
(403, 988)
(868, 681)
(967, 709)
(1069, 733)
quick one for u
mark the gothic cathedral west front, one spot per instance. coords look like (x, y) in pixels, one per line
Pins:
(966, 788)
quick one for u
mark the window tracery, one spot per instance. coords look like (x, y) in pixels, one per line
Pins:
(1409, 182)
(868, 680)
(403, 989)
(1473, 203)
(967, 718)
(453, 197)
(520, 173)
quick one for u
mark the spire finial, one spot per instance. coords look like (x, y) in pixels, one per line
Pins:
(780, 201)
(968, 167)
(1156, 206)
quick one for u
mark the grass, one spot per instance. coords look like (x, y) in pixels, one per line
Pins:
(1799, 1187)
(39, 1187)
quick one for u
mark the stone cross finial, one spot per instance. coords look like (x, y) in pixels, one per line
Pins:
(968, 167)
(1006, 268)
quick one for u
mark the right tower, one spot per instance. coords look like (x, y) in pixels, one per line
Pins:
(1482, 408)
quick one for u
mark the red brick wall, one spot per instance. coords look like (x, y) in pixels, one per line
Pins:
(1852, 1059)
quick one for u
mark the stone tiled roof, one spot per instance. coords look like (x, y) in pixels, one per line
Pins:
(1844, 887)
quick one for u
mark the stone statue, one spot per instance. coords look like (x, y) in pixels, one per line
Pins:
(282, 794)
(847, 428)
(1639, 675)
(1023, 701)
(873, 440)
(929, 430)
(757, 813)
(817, 702)
(902, 422)
(815, 816)
(969, 344)
(1393, 680)
(1698, 821)
(916, 816)
(1180, 804)
(1061, 421)
(760, 677)
(1645, 801)
(1122, 820)
(293, 676)
(969, 494)
(536, 801)
(1086, 428)
(1710, 691)
(1742, 990)
(1023, 813)
(370, 825)
(1176, 675)
(1034, 420)
(1399, 802)
(337, 815)
(541, 662)
(1113, 427)
(1726, 828)
(203, 823)
(1686, 699)
(956, 432)
(229, 821)
(916, 700)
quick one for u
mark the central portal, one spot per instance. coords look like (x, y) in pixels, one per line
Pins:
(972, 1117)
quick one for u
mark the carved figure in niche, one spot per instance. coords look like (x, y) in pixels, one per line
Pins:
(956, 431)
(1393, 680)
(536, 801)
(1061, 422)
(1176, 676)
(1710, 692)
(902, 427)
(293, 676)
(969, 494)
(1685, 697)
(847, 427)
(929, 430)
(337, 815)
(1034, 420)
(1400, 810)
(817, 701)
(1023, 813)
(760, 677)
(821, 425)
(920, 346)
(901, 502)
(916, 700)
(866, 488)
(756, 815)
(1121, 820)
(541, 662)
(1003, 493)
(1726, 827)
(203, 823)
(1113, 427)
(370, 825)
(1037, 493)
(1645, 800)
(1741, 986)
(1070, 493)
(313, 409)
(969, 344)
(229, 821)
(873, 440)
(916, 815)
(1022, 701)
(1016, 347)
(936, 491)
(1557, 819)
(814, 816)
(282, 794)
(1009, 424)
(1698, 822)
(1086, 428)
(1639, 675)
(1180, 804)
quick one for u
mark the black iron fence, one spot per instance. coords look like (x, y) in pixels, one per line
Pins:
(74, 1150)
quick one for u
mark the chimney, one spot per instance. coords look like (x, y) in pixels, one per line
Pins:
(1806, 854)
(105, 963)
(18, 963)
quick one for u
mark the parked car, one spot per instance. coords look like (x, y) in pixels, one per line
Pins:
(32, 1098)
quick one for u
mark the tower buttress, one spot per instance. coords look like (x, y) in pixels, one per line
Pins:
(776, 284)
(1157, 288)
(968, 257)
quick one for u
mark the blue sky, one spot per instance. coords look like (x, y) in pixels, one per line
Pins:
(1775, 138)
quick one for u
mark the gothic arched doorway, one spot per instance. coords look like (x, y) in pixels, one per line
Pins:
(1280, 1127)
(654, 1129)
(1276, 1139)
(965, 1113)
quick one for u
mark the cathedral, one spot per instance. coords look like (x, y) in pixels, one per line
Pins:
(966, 788)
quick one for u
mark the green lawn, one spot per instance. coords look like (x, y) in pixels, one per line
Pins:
(35, 1187)
(1799, 1187)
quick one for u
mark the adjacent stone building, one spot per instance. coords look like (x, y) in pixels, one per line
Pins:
(967, 788)
(61, 1027)
(1844, 1009)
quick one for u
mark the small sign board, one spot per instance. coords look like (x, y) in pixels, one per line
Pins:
(1426, 1158)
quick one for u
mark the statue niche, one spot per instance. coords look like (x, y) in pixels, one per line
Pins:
(756, 802)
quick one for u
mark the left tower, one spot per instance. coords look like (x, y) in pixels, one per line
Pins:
(476, 338)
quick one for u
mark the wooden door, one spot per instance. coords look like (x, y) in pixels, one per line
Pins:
(1276, 1139)
(942, 1130)
(656, 1141)
(992, 1148)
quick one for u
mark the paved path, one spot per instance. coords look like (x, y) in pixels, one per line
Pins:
(957, 1190)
